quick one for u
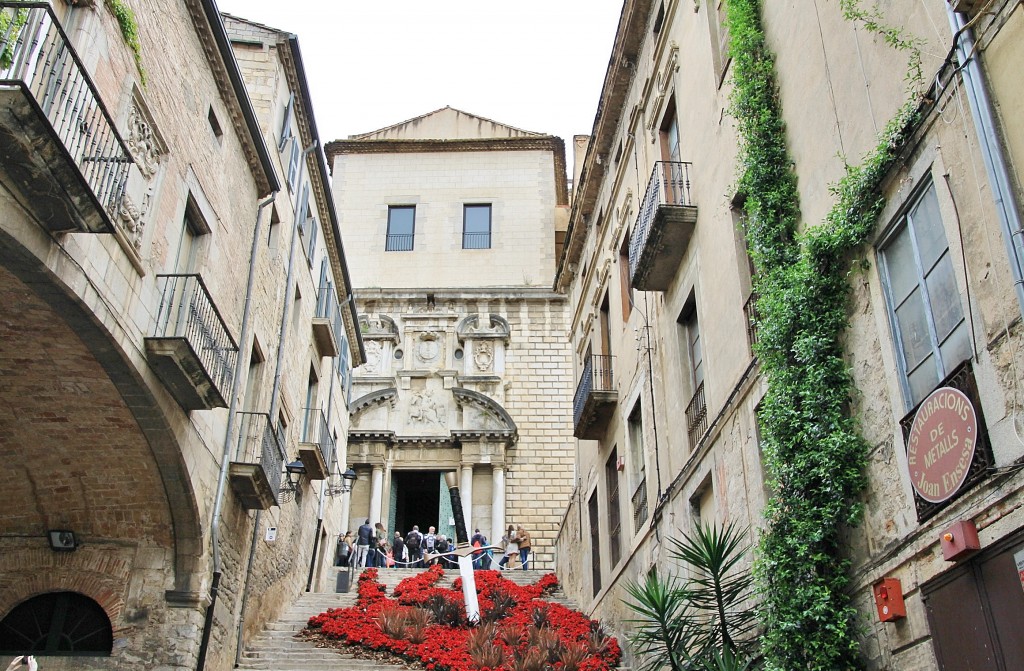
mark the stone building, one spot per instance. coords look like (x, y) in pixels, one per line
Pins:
(451, 220)
(662, 317)
(174, 297)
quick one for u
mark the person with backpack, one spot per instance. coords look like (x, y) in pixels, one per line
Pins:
(429, 539)
(441, 546)
(478, 541)
(344, 550)
(414, 543)
(364, 536)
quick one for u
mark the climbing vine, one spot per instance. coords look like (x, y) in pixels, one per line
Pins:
(129, 31)
(814, 454)
(10, 26)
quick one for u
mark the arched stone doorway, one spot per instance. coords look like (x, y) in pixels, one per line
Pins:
(57, 623)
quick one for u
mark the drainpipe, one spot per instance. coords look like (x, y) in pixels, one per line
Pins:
(991, 146)
(323, 486)
(229, 434)
(275, 394)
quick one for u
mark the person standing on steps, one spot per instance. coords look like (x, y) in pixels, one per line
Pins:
(508, 541)
(398, 552)
(414, 545)
(429, 540)
(344, 551)
(523, 540)
(363, 537)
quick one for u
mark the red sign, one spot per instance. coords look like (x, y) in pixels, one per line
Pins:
(941, 444)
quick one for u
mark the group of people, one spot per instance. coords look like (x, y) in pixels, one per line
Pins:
(370, 546)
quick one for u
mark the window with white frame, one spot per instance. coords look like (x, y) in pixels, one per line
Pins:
(930, 332)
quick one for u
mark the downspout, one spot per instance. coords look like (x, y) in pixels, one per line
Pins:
(275, 394)
(991, 147)
(323, 487)
(229, 435)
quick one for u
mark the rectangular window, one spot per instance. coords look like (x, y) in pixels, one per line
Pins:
(637, 466)
(625, 280)
(293, 165)
(611, 476)
(719, 28)
(595, 543)
(476, 227)
(286, 123)
(923, 299)
(401, 228)
(693, 353)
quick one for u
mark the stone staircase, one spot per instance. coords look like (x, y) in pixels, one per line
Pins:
(277, 649)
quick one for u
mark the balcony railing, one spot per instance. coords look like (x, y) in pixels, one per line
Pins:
(191, 348)
(316, 447)
(640, 506)
(696, 416)
(750, 313)
(476, 240)
(663, 226)
(594, 393)
(37, 58)
(327, 324)
(399, 242)
(256, 470)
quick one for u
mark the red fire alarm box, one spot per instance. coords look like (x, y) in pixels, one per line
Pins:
(889, 600)
(960, 540)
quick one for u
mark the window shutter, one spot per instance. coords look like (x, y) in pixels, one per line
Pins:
(286, 125)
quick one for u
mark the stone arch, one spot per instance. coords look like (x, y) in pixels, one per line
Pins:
(100, 586)
(36, 286)
(373, 399)
(496, 327)
(488, 405)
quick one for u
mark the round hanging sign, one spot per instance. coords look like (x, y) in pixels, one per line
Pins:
(941, 444)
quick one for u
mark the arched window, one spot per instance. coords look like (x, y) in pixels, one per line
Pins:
(57, 623)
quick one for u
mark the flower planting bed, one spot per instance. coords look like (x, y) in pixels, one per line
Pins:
(426, 624)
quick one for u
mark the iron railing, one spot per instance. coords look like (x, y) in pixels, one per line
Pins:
(476, 240)
(259, 443)
(315, 430)
(36, 55)
(327, 307)
(669, 185)
(750, 312)
(640, 506)
(187, 311)
(696, 416)
(597, 376)
(399, 242)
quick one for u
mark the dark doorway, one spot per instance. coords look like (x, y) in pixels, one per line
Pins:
(976, 612)
(58, 623)
(417, 500)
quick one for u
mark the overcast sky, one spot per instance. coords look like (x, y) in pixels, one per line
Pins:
(537, 65)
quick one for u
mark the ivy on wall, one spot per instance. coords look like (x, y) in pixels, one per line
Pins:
(129, 31)
(814, 456)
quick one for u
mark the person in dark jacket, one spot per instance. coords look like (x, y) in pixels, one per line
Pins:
(398, 551)
(414, 547)
(363, 537)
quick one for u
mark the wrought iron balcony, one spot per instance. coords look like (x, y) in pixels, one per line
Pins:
(663, 228)
(697, 416)
(191, 350)
(750, 312)
(255, 474)
(639, 500)
(316, 448)
(595, 397)
(476, 240)
(399, 242)
(327, 326)
(58, 144)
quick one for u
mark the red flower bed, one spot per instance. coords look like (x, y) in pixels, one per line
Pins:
(517, 626)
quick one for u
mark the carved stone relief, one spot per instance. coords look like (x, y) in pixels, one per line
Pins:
(374, 357)
(430, 349)
(426, 409)
(483, 355)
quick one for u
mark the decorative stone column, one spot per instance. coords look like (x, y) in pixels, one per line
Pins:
(466, 489)
(346, 511)
(376, 493)
(497, 504)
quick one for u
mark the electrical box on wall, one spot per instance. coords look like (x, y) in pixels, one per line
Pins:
(889, 600)
(960, 540)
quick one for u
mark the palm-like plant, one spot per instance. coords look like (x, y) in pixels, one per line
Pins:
(702, 622)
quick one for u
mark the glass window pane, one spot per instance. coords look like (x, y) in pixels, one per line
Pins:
(478, 218)
(900, 266)
(913, 329)
(923, 380)
(956, 349)
(931, 238)
(400, 220)
(944, 298)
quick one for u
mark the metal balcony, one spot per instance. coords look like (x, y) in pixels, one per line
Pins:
(696, 416)
(399, 242)
(191, 350)
(594, 399)
(58, 144)
(663, 228)
(316, 448)
(750, 313)
(255, 474)
(327, 326)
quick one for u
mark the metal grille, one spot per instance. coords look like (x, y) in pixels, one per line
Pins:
(696, 416)
(961, 378)
(258, 443)
(597, 376)
(327, 307)
(750, 312)
(36, 55)
(399, 242)
(669, 185)
(611, 476)
(476, 240)
(316, 431)
(187, 311)
(640, 506)
(595, 542)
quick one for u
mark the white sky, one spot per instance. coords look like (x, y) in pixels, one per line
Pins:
(537, 65)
